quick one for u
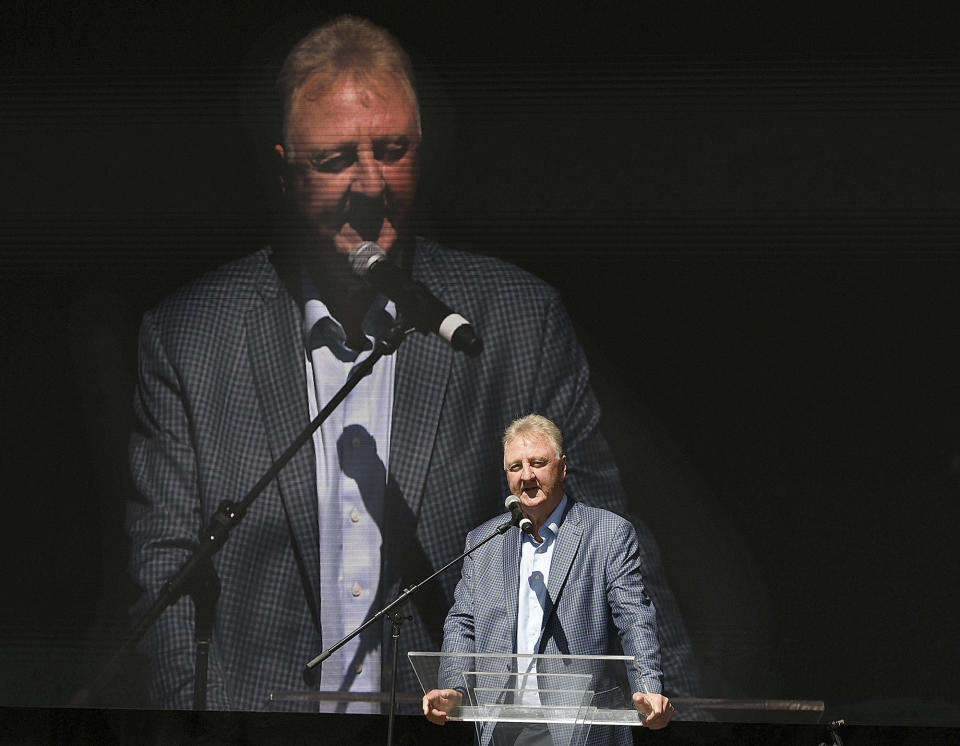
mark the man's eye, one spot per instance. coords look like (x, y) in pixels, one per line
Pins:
(392, 151)
(332, 163)
(514, 467)
(539, 463)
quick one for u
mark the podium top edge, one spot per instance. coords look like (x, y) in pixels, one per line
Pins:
(534, 656)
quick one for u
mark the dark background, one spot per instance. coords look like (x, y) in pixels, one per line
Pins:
(750, 213)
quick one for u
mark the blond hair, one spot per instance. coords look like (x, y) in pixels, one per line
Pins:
(535, 424)
(347, 45)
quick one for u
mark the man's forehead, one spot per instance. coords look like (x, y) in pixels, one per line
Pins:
(306, 132)
(321, 103)
(363, 90)
(528, 442)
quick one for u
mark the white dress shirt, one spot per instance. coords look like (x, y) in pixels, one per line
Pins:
(352, 453)
(532, 596)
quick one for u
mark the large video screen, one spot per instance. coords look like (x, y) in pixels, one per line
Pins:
(753, 238)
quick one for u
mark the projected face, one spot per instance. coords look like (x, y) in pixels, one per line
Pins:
(352, 156)
(535, 474)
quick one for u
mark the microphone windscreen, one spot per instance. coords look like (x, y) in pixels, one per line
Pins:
(365, 256)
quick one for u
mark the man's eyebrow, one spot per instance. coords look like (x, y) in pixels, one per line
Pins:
(325, 155)
(333, 147)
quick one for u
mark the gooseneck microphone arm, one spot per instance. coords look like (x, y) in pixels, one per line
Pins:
(311, 672)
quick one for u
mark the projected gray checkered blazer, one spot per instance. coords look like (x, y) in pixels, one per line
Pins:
(221, 393)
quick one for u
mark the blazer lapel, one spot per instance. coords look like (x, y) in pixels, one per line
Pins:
(504, 679)
(275, 350)
(564, 553)
(423, 372)
(511, 586)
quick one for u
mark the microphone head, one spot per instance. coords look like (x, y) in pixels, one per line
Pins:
(365, 256)
(512, 502)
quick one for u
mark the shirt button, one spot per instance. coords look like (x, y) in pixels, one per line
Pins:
(355, 590)
(358, 668)
(355, 442)
(354, 515)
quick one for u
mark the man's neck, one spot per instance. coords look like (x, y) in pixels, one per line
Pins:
(538, 524)
(346, 296)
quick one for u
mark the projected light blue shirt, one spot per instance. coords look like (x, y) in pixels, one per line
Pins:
(352, 450)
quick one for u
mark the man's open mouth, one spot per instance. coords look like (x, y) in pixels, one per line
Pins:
(368, 226)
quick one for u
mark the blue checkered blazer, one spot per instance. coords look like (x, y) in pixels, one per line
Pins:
(221, 393)
(597, 604)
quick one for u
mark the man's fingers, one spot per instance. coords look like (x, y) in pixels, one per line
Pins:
(642, 703)
(438, 703)
(658, 709)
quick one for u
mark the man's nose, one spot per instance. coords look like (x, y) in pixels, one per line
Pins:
(368, 179)
(526, 473)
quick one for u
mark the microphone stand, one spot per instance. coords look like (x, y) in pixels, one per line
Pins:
(391, 610)
(197, 576)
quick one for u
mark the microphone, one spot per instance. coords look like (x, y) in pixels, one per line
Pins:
(369, 261)
(512, 503)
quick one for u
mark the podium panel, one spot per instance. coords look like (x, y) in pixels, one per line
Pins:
(570, 694)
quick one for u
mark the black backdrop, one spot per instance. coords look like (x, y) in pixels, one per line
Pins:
(751, 215)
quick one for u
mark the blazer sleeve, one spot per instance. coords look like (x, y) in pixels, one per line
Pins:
(632, 610)
(163, 523)
(459, 628)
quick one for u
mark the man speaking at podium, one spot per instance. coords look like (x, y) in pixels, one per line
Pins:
(563, 588)
(233, 366)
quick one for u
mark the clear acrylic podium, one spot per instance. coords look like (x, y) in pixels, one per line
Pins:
(569, 693)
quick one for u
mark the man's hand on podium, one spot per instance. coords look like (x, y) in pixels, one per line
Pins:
(438, 703)
(656, 708)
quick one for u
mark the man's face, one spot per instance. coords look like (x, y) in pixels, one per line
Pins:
(352, 160)
(535, 474)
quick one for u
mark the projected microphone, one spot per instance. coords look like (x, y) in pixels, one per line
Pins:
(513, 504)
(369, 261)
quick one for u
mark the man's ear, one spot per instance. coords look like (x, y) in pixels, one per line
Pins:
(281, 167)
